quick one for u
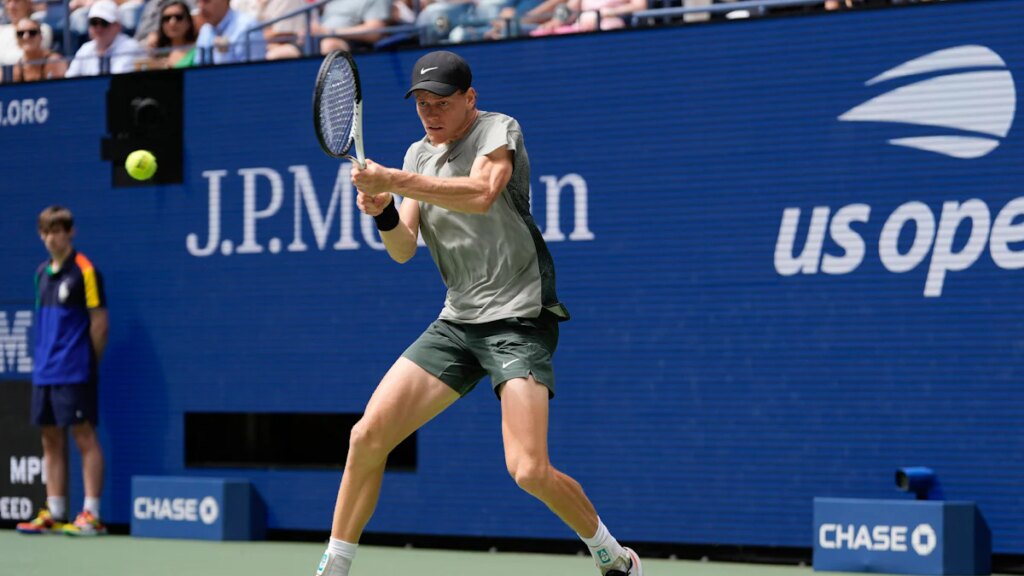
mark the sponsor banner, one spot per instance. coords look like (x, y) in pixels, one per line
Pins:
(199, 508)
(22, 470)
(16, 342)
(900, 536)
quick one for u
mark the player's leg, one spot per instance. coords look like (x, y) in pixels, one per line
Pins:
(77, 407)
(54, 443)
(524, 427)
(88, 521)
(407, 398)
(56, 462)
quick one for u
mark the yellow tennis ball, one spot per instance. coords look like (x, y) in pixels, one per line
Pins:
(141, 164)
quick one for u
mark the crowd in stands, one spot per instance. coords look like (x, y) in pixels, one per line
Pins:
(115, 36)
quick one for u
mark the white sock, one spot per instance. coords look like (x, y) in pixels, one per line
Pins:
(605, 549)
(337, 558)
(92, 506)
(57, 505)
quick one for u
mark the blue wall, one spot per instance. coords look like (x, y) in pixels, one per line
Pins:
(707, 392)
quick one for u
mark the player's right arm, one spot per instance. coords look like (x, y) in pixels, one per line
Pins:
(400, 241)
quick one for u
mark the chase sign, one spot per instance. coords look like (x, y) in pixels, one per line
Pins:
(900, 536)
(201, 508)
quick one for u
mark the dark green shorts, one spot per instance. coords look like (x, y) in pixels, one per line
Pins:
(462, 354)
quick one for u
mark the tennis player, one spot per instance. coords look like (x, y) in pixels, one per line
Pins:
(466, 186)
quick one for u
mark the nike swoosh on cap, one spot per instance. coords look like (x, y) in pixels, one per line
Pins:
(425, 70)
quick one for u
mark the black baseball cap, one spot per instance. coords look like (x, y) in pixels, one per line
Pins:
(442, 73)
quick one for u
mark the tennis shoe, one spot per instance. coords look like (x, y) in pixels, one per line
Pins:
(85, 525)
(43, 523)
(634, 566)
(333, 565)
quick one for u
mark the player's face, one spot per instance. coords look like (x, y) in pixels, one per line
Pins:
(57, 240)
(445, 118)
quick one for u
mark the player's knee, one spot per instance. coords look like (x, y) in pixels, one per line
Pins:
(53, 439)
(532, 475)
(367, 441)
(85, 437)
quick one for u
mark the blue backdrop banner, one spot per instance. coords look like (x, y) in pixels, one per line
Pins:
(791, 248)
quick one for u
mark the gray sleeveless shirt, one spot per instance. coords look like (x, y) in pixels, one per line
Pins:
(495, 265)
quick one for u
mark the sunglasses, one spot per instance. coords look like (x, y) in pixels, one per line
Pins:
(175, 17)
(28, 33)
(98, 22)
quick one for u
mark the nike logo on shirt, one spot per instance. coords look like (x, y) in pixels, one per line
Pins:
(509, 363)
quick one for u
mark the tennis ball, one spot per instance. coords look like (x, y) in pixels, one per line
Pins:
(141, 164)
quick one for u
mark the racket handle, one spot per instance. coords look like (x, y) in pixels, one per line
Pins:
(360, 156)
(360, 161)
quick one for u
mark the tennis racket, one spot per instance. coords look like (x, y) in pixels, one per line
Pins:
(338, 108)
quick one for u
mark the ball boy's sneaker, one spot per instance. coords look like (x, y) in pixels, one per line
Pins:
(43, 523)
(85, 525)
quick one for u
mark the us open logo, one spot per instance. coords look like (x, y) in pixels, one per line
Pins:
(967, 91)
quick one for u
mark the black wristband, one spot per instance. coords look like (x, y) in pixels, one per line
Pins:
(388, 219)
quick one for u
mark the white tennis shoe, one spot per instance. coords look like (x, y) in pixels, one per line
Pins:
(333, 565)
(634, 569)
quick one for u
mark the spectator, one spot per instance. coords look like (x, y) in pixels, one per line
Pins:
(352, 23)
(446, 21)
(71, 334)
(128, 14)
(403, 12)
(284, 38)
(222, 39)
(174, 45)
(523, 17)
(590, 15)
(108, 43)
(10, 48)
(148, 27)
(37, 63)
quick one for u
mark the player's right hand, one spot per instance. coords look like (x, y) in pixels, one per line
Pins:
(372, 205)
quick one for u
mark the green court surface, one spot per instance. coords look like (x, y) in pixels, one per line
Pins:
(22, 555)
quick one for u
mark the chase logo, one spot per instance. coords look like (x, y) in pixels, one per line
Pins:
(923, 539)
(177, 509)
(878, 538)
(967, 91)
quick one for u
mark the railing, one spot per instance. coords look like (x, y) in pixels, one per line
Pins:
(759, 6)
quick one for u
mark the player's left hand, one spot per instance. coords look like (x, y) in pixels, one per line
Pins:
(372, 205)
(373, 180)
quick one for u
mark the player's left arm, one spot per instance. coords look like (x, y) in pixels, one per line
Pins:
(99, 329)
(471, 194)
(99, 320)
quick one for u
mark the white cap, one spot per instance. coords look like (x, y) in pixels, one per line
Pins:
(104, 10)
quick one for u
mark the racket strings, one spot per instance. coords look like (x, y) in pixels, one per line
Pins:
(338, 106)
